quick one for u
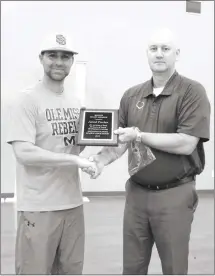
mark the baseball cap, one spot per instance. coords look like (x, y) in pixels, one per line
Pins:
(58, 42)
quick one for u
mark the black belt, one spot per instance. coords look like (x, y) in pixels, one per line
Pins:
(166, 186)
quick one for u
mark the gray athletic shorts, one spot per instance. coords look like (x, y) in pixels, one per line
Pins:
(50, 242)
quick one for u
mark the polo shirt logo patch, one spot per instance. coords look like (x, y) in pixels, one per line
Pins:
(140, 104)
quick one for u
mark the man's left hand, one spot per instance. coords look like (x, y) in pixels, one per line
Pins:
(126, 135)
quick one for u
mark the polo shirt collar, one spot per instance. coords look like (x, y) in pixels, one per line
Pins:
(168, 89)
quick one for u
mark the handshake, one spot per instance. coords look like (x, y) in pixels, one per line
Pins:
(140, 155)
(92, 166)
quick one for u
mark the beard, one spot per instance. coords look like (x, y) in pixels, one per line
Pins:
(57, 76)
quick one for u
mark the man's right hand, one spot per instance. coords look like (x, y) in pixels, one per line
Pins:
(87, 165)
(99, 166)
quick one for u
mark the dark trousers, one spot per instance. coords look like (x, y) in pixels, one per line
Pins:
(163, 217)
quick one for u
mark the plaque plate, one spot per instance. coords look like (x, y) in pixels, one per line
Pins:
(96, 127)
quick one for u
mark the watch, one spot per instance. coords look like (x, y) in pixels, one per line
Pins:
(138, 138)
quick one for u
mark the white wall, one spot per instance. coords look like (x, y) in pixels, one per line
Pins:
(111, 37)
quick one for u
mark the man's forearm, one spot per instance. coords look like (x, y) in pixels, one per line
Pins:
(107, 155)
(176, 143)
(31, 155)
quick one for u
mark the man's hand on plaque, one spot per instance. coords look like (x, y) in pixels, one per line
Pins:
(126, 135)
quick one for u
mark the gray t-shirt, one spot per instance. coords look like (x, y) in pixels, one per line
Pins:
(49, 121)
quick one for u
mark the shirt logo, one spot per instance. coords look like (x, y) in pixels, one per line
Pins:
(140, 104)
(60, 39)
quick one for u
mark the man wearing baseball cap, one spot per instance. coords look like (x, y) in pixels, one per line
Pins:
(43, 130)
(58, 42)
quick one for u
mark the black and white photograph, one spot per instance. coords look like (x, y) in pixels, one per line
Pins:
(107, 137)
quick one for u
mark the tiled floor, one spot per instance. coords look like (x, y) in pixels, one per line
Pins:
(103, 255)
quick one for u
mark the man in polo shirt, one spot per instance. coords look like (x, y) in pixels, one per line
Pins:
(170, 114)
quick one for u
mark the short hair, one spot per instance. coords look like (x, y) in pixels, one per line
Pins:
(163, 32)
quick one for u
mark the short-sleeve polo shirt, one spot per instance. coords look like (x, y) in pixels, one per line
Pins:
(182, 107)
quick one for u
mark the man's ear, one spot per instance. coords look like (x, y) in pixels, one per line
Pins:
(177, 54)
(40, 58)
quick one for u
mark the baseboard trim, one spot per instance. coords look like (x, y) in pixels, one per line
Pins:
(7, 195)
(105, 193)
(122, 193)
(110, 193)
(205, 192)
